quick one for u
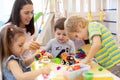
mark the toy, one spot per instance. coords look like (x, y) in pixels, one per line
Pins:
(88, 76)
(80, 54)
(77, 72)
(58, 67)
(100, 69)
(45, 60)
(56, 60)
(76, 67)
(67, 59)
(39, 54)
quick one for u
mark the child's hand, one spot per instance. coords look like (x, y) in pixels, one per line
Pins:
(45, 70)
(49, 55)
(85, 61)
(34, 45)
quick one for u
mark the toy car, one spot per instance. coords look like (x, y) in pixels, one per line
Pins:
(67, 59)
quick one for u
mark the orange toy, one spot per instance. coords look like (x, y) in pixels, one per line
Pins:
(76, 67)
(67, 59)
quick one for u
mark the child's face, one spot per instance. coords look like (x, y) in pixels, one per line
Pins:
(60, 35)
(17, 45)
(81, 34)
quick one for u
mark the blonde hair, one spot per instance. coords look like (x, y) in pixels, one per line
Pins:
(73, 23)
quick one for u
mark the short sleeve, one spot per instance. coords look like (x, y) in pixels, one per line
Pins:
(94, 29)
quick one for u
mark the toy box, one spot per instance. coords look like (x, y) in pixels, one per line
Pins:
(76, 71)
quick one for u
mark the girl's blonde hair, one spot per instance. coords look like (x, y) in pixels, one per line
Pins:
(73, 23)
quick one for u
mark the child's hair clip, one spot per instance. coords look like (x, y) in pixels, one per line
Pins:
(10, 29)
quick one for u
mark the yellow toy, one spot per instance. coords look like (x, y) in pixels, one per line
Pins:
(39, 54)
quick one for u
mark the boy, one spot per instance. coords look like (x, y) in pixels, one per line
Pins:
(103, 46)
(60, 43)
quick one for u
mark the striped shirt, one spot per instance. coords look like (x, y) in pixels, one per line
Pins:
(109, 54)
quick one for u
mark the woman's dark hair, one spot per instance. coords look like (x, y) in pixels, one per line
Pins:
(15, 15)
(60, 24)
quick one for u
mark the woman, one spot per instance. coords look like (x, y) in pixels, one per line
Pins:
(22, 16)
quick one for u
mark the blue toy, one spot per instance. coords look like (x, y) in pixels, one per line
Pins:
(80, 54)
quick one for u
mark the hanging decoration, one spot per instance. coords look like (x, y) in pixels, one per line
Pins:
(90, 17)
(101, 11)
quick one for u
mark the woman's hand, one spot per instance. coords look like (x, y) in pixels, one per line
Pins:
(34, 45)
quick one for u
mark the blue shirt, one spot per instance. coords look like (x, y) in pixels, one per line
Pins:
(7, 74)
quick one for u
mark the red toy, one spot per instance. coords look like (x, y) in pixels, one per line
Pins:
(39, 54)
(76, 67)
(80, 54)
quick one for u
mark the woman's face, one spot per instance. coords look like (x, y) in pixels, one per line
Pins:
(26, 14)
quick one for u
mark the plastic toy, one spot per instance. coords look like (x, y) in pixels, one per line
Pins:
(88, 76)
(100, 69)
(56, 60)
(67, 59)
(76, 67)
(58, 67)
(80, 54)
(39, 54)
(45, 60)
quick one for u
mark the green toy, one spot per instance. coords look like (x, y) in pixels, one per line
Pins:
(88, 76)
(100, 69)
(56, 60)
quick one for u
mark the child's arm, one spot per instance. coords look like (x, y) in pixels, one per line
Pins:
(17, 72)
(94, 49)
(27, 61)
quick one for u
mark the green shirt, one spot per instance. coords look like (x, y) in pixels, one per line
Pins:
(109, 54)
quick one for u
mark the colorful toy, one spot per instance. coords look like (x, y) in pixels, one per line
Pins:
(39, 54)
(76, 67)
(88, 76)
(45, 59)
(67, 59)
(58, 67)
(56, 60)
(100, 69)
(80, 54)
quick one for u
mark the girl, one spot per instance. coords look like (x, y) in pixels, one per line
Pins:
(12, 41)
